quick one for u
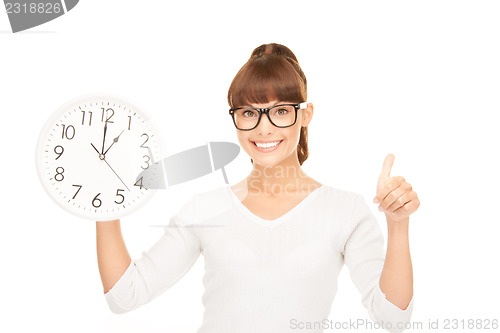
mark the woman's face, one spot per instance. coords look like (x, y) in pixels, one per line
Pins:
(287, 138)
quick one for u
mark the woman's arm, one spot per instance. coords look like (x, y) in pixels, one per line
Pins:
(372, 267)
(396, 279)
(398, 200)
(112, 255)
(129, 284)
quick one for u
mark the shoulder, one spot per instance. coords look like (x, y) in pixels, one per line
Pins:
(212, 196)
(212, 203)
(203, 206)
(338, 194)
(334, 203)
(350, 204)
(354, 205)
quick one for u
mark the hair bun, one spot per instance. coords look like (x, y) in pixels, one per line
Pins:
(275, 49)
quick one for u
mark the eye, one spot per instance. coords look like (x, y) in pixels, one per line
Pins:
(249, 113)
(281, 112)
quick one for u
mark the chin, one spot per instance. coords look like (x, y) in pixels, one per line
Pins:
(269, 160)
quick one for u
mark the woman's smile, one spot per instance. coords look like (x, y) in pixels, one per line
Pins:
(266, 146)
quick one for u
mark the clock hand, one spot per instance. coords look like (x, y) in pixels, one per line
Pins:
(95, 148)
(114, 140)
(100, 155)
(104, 136)
(116, 174)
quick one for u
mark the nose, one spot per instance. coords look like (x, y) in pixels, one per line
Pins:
(265, 127)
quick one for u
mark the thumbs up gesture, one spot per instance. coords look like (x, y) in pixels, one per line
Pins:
(395, 195)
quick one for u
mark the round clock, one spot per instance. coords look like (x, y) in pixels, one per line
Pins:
(90, 153)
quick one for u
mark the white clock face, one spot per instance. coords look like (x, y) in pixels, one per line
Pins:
(90, 153)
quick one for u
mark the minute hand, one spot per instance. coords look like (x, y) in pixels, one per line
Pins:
(104, 136)
(114, 140)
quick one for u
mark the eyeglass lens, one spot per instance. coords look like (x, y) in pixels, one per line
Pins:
(280, 116)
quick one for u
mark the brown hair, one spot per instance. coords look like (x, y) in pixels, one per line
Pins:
(271, 73)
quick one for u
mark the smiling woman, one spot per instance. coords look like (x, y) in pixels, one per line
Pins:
(274, 243)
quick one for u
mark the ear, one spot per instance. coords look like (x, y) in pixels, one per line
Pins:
(307, 114)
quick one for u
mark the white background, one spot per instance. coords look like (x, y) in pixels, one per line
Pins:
(419, 79)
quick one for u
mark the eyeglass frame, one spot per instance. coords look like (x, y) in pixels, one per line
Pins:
(297, 107)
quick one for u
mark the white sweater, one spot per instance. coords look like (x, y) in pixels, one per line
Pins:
(266, 275)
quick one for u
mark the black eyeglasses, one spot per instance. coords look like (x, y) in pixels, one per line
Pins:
(282, 115)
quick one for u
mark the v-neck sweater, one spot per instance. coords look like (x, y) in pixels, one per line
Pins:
(266, 275)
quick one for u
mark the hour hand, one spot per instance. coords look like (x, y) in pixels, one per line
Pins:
(101, 156)
(95, 148)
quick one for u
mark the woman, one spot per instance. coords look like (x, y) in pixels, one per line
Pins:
(274, 243)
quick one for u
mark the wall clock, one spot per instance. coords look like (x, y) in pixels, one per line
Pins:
(90, 155)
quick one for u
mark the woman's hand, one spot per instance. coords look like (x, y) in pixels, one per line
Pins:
(395, 194)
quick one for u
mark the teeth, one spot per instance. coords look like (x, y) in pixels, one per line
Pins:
(267, 145)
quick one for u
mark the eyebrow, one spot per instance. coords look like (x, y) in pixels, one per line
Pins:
(277, 103)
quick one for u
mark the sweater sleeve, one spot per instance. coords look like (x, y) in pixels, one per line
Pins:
(364, 255)
(169, 259)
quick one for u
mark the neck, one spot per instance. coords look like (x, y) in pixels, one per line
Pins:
(287, 177)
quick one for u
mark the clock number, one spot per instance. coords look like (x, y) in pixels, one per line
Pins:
(59, 173)
(147, 138)
(120, 195)
(59, 153)
(90, 118)
(139, 183)
(65, 132)
(96, 200)
(79, 188)
(147, 163)
(108, 118)
(129, 121)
